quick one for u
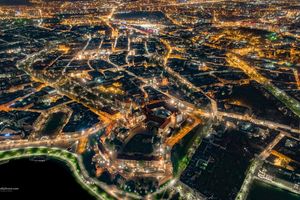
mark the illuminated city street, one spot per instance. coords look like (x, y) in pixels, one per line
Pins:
(164, 99)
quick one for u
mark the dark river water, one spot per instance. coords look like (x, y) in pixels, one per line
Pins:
(39, 180)
(263, 191)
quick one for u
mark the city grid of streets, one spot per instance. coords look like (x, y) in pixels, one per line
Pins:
(179, 99)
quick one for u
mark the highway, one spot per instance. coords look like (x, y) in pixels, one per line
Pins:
(269, 124)
(60, 140)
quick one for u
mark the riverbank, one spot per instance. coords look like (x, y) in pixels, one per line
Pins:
(69, 158)
(31, 179)
(261, 191)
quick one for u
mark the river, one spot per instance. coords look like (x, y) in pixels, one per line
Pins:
(39, 180)
(263, 191)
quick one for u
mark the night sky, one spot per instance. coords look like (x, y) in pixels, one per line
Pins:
(25, 2)
(14, 2)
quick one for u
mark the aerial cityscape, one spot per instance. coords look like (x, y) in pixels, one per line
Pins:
(150, 99)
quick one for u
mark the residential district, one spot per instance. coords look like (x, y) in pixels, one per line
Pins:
(155, 99)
